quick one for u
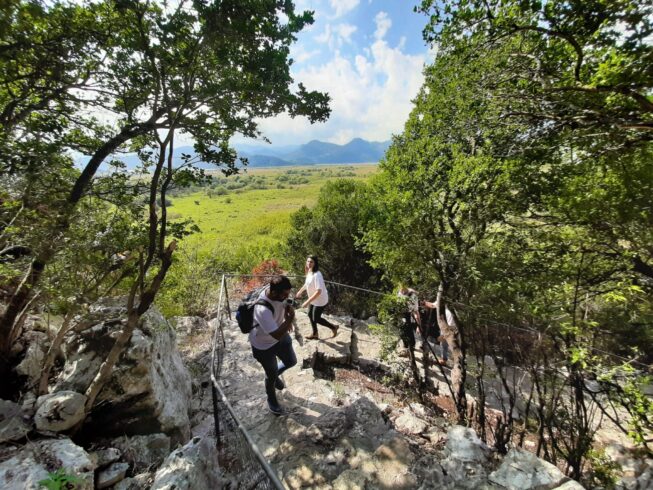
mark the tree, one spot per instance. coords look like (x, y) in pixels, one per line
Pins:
(331, 230)
(579, 79)
(443, 186)
(518, 191)
(208, 69)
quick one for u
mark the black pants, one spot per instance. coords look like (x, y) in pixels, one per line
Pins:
(268, 359)
(407, 333)
(315, 315)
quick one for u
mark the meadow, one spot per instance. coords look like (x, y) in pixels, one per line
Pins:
(253, 209)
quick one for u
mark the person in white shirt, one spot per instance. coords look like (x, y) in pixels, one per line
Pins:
(270, 339)
(318, 297)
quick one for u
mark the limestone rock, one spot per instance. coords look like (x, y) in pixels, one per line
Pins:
(464, 445)
(143, 451)
(189, 325)
(350, 480)
(12, 425)
(112, 475)
(59, 411)
(35, 460)
(395, 449)
(138, 482)
(32, 363)
(104, 457)
(150, 388)
(29, 404)
(435, 435)
(521, 470)
(193, 467)
(410, 424)
(572, 485)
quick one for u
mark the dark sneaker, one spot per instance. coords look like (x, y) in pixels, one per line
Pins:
(275, 408)
(279, 384)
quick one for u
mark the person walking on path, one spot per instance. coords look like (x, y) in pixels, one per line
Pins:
(270, 339)
(318, 297)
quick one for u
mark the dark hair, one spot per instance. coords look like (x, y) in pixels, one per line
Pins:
(316, 263)
(280, 283)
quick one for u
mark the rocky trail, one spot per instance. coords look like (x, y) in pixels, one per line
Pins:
(353, 421)
(349, 425)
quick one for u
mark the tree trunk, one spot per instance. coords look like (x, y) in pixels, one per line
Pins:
(133, 316)
(21, 296)
(453, 336)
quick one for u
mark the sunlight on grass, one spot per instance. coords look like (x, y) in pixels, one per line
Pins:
(250, 215)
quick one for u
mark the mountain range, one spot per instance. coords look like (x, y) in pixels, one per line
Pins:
(312, 153)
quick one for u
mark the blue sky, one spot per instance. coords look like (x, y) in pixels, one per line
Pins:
(368, 55)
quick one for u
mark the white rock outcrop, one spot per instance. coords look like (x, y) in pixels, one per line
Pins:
(59, 411)
(35, 460)
(192, 467)
(12, 425)
(150, 388)
(521, 470)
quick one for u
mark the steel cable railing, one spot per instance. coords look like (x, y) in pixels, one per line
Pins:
(238, 453)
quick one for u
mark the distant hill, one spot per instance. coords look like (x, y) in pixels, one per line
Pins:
(312, 153)
(315, 152)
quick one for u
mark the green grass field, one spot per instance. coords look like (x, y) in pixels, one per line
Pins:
(258, 213)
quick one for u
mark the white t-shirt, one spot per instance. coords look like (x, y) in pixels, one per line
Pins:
(313, 282)
(266, 321)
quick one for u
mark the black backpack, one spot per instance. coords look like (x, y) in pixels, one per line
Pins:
(245, 311)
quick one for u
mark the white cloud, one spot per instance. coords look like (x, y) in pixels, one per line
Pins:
(300, 54)
(336, 36)
(345, 31)
(383, 23)
(325, 37)
(370, 97)
(341, 7)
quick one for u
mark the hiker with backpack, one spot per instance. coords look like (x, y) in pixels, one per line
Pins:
(318, 297)
(270, 319)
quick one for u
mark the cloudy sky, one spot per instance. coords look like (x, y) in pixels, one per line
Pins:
(368, 55)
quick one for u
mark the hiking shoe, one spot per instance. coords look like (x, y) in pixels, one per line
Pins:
(279, 384)
(275, 408)
(313, 336)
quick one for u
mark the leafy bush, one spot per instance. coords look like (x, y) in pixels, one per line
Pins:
(60, 480)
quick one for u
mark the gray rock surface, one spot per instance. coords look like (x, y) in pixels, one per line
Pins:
(59, 411)
(12, 425)
(111, 475)
(521, 470)
(350, 480)
(104, 457)
(32, 363)
(464, 445)
(572, 485)
(143, 451)
(410, 424)
(138, 482)
(188, 325)
(35, 460)
(192, 467)
(150, 388)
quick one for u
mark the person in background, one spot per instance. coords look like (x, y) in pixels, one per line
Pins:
(410, 321)
(318, 297)
(270, 339)
(411, 316)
